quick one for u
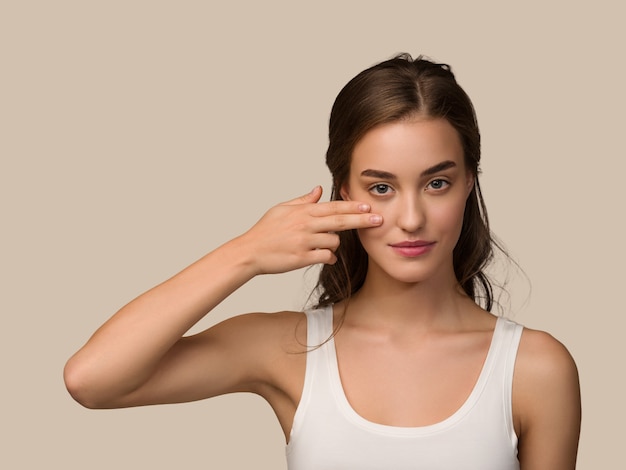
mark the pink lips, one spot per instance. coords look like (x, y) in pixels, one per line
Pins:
(411, 249)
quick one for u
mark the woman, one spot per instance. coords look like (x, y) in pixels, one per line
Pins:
(400, 364)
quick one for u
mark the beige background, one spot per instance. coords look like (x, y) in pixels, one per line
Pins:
(136, 136)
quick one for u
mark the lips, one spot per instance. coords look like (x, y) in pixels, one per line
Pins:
(412, 248)
(411, 244)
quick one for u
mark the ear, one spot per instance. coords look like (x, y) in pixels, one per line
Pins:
(344, 192)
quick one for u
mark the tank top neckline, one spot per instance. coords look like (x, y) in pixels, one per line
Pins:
(351, 414)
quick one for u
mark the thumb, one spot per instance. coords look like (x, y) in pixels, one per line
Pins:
(311, 197)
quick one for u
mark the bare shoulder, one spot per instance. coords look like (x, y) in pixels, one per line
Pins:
(543, 360)
(546, 402)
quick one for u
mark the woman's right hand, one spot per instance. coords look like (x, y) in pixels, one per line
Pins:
(302, 232)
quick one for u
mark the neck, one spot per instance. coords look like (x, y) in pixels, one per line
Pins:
(436, 303)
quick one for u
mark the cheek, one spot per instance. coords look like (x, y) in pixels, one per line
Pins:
(368, 235)
(449, 217)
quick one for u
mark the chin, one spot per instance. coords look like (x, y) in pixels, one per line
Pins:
(404, 276)
(412, 272)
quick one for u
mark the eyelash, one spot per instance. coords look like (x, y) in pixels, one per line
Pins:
(375, 187)
(446, 184)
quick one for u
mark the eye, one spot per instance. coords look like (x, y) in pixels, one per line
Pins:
(380, 189)
(438, 184)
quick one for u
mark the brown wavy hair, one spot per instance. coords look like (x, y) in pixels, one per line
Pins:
(390, 91)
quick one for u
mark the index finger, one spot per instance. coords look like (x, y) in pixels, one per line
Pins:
(312, 197)
(348, 221)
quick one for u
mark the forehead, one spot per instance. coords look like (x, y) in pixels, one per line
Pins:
(407, 146)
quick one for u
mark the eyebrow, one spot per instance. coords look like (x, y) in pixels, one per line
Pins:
(445, 165)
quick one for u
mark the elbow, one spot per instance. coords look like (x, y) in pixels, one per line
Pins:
(81, 385)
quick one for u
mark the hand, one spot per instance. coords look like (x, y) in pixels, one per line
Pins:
(301, 232)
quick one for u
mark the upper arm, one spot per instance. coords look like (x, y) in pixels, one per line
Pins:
(546, 403)
(235, 355)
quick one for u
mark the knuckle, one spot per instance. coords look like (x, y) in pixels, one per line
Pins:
(300, 240)
(340, 222)
(325, 256)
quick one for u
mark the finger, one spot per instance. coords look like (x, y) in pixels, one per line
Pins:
(312, 197)
(339, 207)
(341, 222)
(326, 241)
(321, 257)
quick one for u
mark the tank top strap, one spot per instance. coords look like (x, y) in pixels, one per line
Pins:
(319, 325)
(319, 330)
(510, 336)
(506, 340)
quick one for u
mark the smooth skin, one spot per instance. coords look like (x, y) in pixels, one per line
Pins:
(410, 324)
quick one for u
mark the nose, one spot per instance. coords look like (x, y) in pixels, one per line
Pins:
(411, 214)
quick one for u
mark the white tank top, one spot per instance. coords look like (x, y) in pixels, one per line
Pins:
(328, 434)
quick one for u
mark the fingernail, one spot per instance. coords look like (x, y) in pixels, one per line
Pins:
(364, 207)
(376, 219)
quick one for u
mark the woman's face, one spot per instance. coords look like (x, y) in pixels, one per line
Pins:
(412, 172)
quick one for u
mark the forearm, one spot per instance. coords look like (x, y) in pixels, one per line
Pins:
(125, 351)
